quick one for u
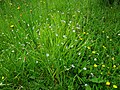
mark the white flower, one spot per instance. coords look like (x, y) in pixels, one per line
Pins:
(84, 68)
(119, 34)
(56, 34)
(70, 21)
(107, 36)
(36, 61)
(73, 30)
(63, 21)
(72, 66)
(95, 59)
(79, 53)
(107, 55)
(86, 84)
(64, 36)
(1, 83)
(47, 55)
(28, 25)
(92, 74)
(13, 51)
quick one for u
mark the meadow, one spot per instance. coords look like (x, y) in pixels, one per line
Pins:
(59, 45)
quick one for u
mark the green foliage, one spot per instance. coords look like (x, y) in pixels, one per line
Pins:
(59, 45)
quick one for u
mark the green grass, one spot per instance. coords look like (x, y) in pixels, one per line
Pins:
(59, 45)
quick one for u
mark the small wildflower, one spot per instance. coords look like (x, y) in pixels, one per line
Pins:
(63, 21)
(113, 58)
(84, 32)
(13, 51)
(64, 36)
(18, 7)
(95, 65)
(72, 66)
(110, 39)
(36, 61)
(104, 47)
(92, 74)
(95, 59)
(12, 26)
(114, 86)
(107, 36)
(107, 55)
(88, 47)
(84, 68)
(119, 34)
(107, 83)
(93, 52)
(86, 84)
(103, 65)
(21, 86)
(3, 77)
(81, 38)
(30, 10)
(79, 53)
(47, 55)
(56, 35)
(114, 66)
(0, 83)
(73, 30)
(103, 31)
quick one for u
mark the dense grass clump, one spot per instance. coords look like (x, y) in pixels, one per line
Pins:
(59, 45)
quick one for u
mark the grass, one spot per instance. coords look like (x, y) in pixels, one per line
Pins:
(59, 45)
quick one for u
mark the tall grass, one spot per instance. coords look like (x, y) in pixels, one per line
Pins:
(59, 44)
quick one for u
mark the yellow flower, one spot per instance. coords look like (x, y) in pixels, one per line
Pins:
(12, 26)
(88, 47)
(30, 10)
(114, 66)
(93, 52)
(103, 65)
(81, 38)
(110, 39)
(114, 86)
(18, 7)
(104, 47)
(107, 83)
(95, 65)
(84, 32)
(113, 58)
(2, 77)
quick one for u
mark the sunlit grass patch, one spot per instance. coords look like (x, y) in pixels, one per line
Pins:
(53, 44)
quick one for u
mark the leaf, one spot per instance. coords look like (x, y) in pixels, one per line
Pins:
(97, 80)
(79, 71)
